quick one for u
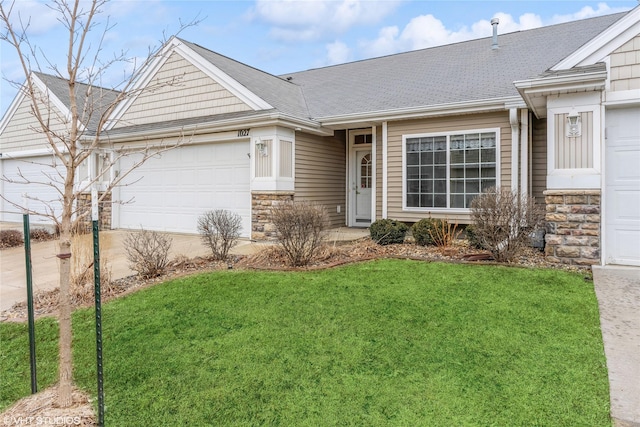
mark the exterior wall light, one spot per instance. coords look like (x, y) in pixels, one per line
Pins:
(262, 148)
(574, 126)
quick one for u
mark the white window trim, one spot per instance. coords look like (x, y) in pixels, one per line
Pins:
(448, 134)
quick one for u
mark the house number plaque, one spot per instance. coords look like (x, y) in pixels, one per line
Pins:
(243, 132)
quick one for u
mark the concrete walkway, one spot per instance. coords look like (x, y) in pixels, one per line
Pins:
(618, 293)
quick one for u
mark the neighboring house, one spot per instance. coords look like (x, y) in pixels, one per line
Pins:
(553, 112)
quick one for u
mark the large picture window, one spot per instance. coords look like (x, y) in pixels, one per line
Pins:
(448, 171)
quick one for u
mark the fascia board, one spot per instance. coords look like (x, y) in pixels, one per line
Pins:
(583, 81)
(604, 43)
(495, 104)
(268, 119)
(22, 94)
(225, 80)
(12, 108)
(542, 87)
(142, 81)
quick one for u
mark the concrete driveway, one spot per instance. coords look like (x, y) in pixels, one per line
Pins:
(45, 270)
(618, 293)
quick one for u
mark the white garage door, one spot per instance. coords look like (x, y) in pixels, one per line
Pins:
(41, 190)
(622, 187)
(170, 192)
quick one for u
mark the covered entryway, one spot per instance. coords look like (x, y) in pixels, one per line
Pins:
(622, 187)
(43, 174)
(170, 192)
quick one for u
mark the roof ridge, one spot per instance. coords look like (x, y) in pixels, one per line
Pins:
(544, 27)
(234, 60)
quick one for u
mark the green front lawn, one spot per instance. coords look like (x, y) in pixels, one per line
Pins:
(389, 342)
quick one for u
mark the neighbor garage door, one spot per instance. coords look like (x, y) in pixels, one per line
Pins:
(42, 173)
(170, 192)
(622, 188)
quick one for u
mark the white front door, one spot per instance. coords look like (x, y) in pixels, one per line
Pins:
(363, 168)
(622, 188)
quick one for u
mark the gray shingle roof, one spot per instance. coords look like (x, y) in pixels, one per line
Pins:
(99, 98)
(460, 72)
(278, 92)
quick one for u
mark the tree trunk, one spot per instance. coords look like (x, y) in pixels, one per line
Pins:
(66, 362)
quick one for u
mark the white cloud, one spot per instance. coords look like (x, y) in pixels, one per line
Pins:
(587, 12)
(40, 17)
(296, 20)
(338, 53)
(426, 30)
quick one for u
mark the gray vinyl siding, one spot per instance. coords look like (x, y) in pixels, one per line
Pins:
(625, 66)
(539, 159)
(435, 125)
(574, 153)
(192, 94)
(23, 132)
(320, 173)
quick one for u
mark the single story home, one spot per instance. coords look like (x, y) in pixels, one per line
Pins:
(553, 112)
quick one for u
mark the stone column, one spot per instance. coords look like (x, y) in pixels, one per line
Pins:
(261, 203)
(573, 226)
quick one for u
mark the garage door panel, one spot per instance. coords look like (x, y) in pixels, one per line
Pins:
(622, 187)
(44, 174)
(177, 187)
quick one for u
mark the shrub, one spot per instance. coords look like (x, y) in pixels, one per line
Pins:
(421, 232)
(41, 234)
(300, 227)
(388, 231)
(503, 221)
(10, 238)
(220, 230)
(82, 274)
(147, 252)
(443, 233)
(471, 237)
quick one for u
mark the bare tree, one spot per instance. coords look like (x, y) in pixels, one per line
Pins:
(75, 137)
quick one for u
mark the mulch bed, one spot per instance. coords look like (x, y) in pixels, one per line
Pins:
(273, 258)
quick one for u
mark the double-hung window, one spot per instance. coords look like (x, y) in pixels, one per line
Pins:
(449, 170)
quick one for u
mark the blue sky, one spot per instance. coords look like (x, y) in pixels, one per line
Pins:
(280, 36)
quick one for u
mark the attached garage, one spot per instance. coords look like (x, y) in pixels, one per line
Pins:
(42, 196)
(622, 188)
(169, 192)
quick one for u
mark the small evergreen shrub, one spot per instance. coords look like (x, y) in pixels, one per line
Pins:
(388, 231)
(422, 230)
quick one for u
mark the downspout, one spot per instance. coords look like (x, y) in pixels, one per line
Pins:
(524, 152)
(515, 143)
(384, 170)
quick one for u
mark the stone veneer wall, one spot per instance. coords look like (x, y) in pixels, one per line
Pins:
(104, 212)
(261, 202)
(573, 226)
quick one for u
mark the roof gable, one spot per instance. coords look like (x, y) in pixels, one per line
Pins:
(180, 90)
(162, 72)
(596, 49)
